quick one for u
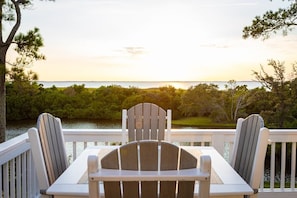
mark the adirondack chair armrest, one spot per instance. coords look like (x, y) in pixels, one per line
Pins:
(192, 174)
(38, 159)
(259, 161)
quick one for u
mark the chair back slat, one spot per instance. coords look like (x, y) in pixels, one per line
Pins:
(149, 162)
(168, 162)
(111, 161)
(186, 188)
(53, 145)
(129, 161)
(149, 156)
(161, 124)
(247, 145)
(146, 121)
(147, 112)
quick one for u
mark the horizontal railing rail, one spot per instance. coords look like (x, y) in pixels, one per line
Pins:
(221, 139)
(17, 168)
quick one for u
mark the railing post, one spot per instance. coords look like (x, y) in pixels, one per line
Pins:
(293, 165)
(218, 142)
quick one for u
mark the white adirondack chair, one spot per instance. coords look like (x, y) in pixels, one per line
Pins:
(250, 146)
(146, 121)
(48, 150)
(155, 166)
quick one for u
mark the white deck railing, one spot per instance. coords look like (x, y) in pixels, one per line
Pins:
(19, 178)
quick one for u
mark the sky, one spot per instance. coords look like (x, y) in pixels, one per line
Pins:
(152, 40)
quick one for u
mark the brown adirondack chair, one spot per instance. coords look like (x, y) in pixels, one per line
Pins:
(48, 150)
(250, 148)
(146, 121)
(149, 169)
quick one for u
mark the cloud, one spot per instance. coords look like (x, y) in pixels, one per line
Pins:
(213, 45)
(229, 4)
(134, 51)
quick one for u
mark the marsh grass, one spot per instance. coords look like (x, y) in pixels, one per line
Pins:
(201, 122)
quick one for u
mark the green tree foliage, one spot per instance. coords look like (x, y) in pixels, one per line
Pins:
(235, 100)
(258, 100)
(18, 74)
(280, 89)
(22, 93)
(78, 102)
(280, 108)
(272, 21)
(275, 101)
(165, 97)
(200, 100)
(108, 102)
(27, 47)
(21, 101)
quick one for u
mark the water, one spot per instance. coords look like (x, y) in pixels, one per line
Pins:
(146, 84)
(16, 128)
(19, 127)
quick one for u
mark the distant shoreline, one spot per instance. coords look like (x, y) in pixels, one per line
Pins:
(145, 84)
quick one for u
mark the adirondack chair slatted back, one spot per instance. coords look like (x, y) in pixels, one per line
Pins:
(145, 155)
(53, 145)
(250, 148)
(146, 121)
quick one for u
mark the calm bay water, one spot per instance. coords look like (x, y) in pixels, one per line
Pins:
(17, 128)
(146, 84)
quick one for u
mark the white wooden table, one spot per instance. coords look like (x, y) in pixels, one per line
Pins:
(227, 183)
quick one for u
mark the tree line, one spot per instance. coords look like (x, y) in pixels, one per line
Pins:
(274, 101)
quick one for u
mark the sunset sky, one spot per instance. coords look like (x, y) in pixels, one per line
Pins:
(152, 40)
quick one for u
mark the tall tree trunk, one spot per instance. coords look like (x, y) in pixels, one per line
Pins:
(2, 81)
(2, 97)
